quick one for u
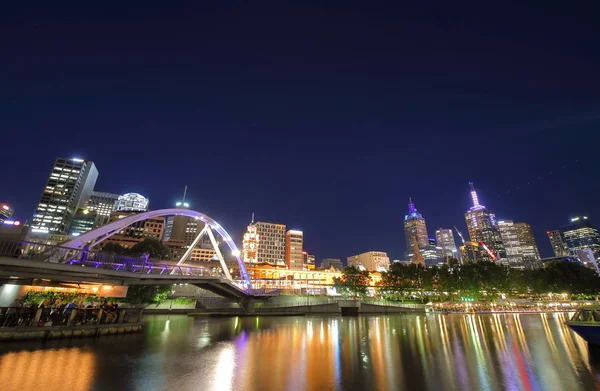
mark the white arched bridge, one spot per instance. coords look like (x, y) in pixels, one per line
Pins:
(77, 261)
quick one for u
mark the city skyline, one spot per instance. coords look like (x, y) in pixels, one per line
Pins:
(324, 118)
(127, 201)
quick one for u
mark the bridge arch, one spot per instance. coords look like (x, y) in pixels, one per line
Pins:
(98, 235)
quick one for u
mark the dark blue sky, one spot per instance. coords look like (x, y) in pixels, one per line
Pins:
(323, 117)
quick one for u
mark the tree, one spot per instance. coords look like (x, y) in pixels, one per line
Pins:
(154, 247)
(147, 294)
(114, 249)
(353, 282)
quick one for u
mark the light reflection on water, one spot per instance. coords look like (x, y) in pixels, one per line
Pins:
(434, 352)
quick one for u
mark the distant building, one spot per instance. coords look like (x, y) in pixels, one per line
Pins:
(131, 202)
(309, 261)
(83, 221)
(445, 240)
(415, 227)
(511, 241)
(264, 243)
(328, 263)
(557, 240)
(146, 229)
(484, 230)
(294, 257)
(529, 248)
(103, 204)
(581, 235)
(371, 260)
(6, 213)
(473, 252)
(67, 189)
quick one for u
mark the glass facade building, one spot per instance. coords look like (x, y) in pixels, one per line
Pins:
(131, 202)
(102, 203)
(581, 235)
(68, 188)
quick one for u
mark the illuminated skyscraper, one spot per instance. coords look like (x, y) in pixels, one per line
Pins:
(528, 244)
(415, 228)
(557, 241)
(5, 213)
(68, 188)
(102, 204)
(581, 235)
(445, 240)
(483, 229)
(294, 257)
(511, 241)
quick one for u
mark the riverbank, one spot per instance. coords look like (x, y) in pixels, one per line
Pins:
(58, 332)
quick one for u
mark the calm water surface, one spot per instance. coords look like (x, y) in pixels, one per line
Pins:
(431, 352)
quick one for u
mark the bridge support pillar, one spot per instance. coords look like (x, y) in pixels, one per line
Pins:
(248, 305)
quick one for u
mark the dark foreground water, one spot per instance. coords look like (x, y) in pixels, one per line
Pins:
(426, 352)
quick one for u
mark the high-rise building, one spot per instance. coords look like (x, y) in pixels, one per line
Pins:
(511, 241)
(415, 227)
(68, 188)
(445, 240)
(483, 229)
(309, 261)
(131, 202)
(371, 260)
(264, 243)
(529, 246)
(294, 258)
(103, 204)
(473, 252)
(328, 263)
(5, 213)
(557, 240)
(580, 235)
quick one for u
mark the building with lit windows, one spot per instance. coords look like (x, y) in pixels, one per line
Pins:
(294, 257)
(102, 203)
(264, 243)
(68, 188)
(557, 241)
(83, 221)
(529, 247)
(483, 229)
(371, 261)
(473, 252)
(511, 241)
(146, 229)
(445, 241)
(309, 261)
(131, 202)
(581, 235)
(415, 227)
(5, 213)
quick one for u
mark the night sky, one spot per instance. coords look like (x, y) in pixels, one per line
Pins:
(323, 117)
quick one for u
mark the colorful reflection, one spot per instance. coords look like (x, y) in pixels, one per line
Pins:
(430, 352)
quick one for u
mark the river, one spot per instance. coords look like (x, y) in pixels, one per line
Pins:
(397, 352)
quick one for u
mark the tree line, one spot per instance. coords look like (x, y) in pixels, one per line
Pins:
(475, 281)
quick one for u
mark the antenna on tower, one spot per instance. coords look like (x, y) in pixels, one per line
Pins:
(252, 218)
(184, 193)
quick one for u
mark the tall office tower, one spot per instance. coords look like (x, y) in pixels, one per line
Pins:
(294, 258)
(581, 235)
(264, 243)
(445, 240)
(558, 243)
(371, 260)
(528, 244)
(5, 213)
(511, 241)
(153, 228)
(131, 202)
(68, 188)
(415, 227)
(483, 229)
(103, 204)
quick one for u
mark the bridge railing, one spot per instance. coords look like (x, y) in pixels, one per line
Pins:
(100, 260)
